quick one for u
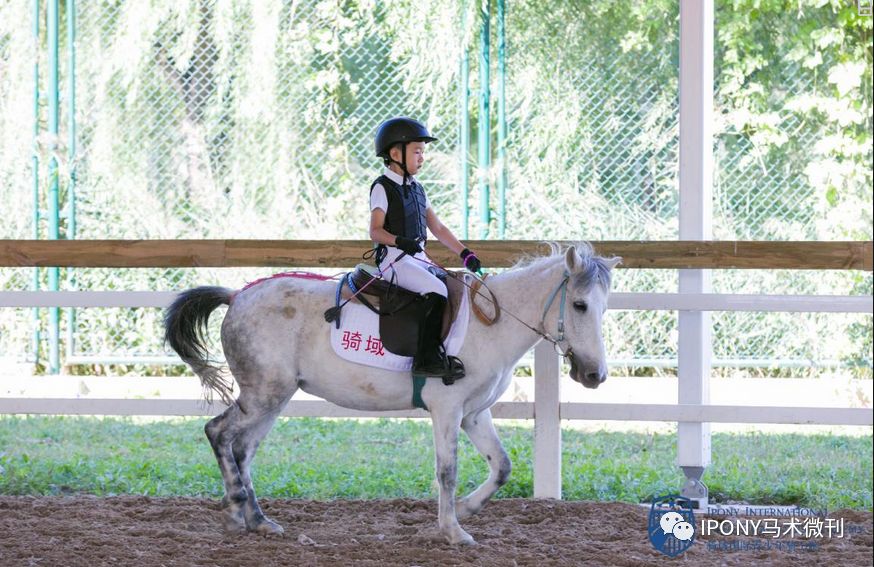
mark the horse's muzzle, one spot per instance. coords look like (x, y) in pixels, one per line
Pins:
(590, 376)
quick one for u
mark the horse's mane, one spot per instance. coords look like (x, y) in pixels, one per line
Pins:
(595, 269)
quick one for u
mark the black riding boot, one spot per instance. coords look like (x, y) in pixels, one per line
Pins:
(431, 359)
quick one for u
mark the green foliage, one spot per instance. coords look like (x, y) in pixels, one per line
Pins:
(323, 459)
(794, 94)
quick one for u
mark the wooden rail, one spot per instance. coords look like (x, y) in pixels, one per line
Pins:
(797, 255)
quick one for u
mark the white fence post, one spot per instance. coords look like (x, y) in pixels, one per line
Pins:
(696, 206)
(547, 426)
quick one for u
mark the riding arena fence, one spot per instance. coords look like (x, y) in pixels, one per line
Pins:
(546, 410)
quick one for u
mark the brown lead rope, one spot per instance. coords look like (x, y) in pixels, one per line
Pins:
(484, 319)
(480, 282)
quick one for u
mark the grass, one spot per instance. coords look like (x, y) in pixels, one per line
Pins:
(324, 459)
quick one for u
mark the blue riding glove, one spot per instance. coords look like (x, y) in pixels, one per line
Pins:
(408, 245)
(471, 262)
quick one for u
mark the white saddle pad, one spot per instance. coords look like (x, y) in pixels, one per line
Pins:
(357, 339)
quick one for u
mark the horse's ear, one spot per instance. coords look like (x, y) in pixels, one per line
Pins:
(572, 260)
(613, 262)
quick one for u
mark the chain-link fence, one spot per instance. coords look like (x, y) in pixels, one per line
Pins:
(237, 119)
(594, 152)
(786, 107)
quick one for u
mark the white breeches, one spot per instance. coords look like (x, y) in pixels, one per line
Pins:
(409, 273)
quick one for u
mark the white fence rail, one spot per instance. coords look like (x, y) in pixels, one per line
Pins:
(501, 410)
(547, 410)
(632, 301)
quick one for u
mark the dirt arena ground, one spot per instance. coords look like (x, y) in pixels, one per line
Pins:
(129, 530)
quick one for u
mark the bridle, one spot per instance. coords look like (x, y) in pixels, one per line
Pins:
(562, 286)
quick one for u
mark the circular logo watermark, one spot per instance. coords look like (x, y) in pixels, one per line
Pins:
(671, 524)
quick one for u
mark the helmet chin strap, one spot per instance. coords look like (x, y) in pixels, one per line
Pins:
(403, 164)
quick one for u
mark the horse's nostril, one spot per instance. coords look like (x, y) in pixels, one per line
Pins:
(594, 377)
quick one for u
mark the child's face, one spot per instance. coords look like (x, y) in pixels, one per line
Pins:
(415, 156)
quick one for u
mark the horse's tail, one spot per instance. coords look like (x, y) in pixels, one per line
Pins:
(185, 326)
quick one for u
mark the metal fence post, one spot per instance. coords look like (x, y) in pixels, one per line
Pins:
(71, 162)
(547, 424)
(52, 19)
(484, 122)
(464, 126)
(35, 284)
(502, 123)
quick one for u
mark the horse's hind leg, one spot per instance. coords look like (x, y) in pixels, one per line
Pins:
(481, 431)
(244, 451)
(221, 431)
(234, 436)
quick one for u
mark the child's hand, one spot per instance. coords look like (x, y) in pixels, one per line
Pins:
(408, 245)
(471, 262)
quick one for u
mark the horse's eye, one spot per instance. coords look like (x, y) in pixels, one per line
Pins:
(581, 306)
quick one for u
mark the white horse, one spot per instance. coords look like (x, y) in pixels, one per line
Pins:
(275, 341)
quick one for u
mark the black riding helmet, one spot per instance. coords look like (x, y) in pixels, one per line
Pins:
(400, 130)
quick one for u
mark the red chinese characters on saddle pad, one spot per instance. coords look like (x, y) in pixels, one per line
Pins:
(357, 339)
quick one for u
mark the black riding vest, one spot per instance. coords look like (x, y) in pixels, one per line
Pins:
(406, 214)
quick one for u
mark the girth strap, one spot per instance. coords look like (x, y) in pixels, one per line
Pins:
(418, 384)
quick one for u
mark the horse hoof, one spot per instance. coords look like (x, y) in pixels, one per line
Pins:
(269, 528)
(233, 521)
(234, 528)
(461, 538)
(464, 508)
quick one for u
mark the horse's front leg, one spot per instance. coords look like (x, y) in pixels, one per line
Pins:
(481, 431)
(446, 424)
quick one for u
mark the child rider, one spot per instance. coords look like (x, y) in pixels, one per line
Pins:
(400, 213)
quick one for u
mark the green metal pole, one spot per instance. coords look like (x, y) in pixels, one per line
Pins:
(71, 118)
(464, 135)
(484, 125)
(71, 158)
(502, 124)
(53, 212)
(35, 166)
